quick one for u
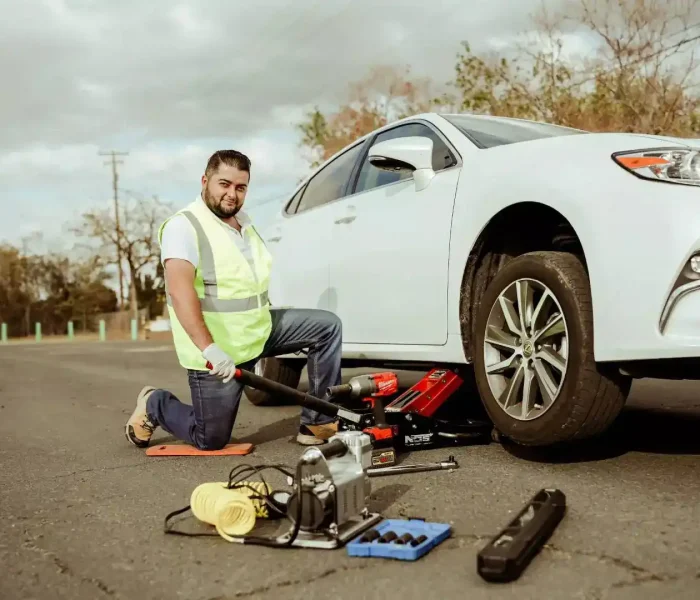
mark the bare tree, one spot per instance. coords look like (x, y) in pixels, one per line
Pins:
(140, 246)
(386, 94)
(603, 65)
(608, 65)
(141, 217)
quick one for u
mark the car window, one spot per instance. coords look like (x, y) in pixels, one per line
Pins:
(499, 131)
(371, 177)
(329, 183)
(294, 202)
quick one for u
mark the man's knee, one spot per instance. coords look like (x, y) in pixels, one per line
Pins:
(212, 442)
(330, 322)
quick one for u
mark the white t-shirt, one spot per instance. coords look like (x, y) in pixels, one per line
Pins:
(180, 241)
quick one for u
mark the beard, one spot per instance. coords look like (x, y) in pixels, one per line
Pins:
(219, 207)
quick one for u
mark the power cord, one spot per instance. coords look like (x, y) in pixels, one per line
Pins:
(236, 480)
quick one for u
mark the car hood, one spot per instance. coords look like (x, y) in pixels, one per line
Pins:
(672, 140)
(645, 140)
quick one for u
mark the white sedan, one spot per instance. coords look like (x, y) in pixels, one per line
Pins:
(561, 264)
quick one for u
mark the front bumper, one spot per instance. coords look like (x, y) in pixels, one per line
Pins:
(680, 315)
(646, 293)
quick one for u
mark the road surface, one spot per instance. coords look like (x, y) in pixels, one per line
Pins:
(82, 510)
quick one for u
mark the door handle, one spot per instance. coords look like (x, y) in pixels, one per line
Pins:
(277, 238)
(349, 219)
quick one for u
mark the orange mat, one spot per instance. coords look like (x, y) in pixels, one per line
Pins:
(186, 450)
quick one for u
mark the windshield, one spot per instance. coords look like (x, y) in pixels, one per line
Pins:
(487, 132)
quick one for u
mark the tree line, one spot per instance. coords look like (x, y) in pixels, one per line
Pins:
(56, 288)
(600, 65)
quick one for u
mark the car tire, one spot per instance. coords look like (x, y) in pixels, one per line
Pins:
(589, 396)
(284, 371)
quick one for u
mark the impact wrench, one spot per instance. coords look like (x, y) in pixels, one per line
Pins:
(408, 421)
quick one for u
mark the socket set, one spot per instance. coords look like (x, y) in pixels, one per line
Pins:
(399, 539)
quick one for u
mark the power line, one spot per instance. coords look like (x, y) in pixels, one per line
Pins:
(115, 185)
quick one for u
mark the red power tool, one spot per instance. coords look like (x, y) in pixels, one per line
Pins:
(407, 423)
(372, 385)
(371, 388)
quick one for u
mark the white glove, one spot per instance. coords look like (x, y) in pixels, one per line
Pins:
(223, 365)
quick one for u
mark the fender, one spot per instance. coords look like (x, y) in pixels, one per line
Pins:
(514, 228)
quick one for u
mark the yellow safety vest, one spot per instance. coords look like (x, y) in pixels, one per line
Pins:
(233, 296)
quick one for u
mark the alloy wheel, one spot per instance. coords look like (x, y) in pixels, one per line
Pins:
(526, 349)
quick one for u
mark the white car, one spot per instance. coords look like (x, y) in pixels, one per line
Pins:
(561, 264)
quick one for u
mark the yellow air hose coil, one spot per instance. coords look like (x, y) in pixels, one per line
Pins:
(231, 511)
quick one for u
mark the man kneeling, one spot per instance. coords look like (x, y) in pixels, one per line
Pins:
(217, 270)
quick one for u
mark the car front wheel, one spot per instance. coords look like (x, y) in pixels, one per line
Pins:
(534, 361)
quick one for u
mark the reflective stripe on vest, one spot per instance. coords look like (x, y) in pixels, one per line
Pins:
(229, 305)
(211, 302)
(231, 288)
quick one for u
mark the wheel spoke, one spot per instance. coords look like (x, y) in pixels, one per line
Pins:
(510, 315)
(502, 366)
(529, 392)
(498, 337)
(512, 392)
(553, 358)
(555, 326)
(547, 385)
(526, 349)
(525, 304)
(541, 308)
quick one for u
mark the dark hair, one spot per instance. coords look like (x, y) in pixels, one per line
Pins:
(232, 158)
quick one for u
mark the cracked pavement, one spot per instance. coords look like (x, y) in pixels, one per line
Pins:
(83, 511)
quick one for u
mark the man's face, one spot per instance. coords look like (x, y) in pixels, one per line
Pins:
(224, 192)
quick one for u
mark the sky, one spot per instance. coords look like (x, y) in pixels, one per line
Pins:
(170, 82)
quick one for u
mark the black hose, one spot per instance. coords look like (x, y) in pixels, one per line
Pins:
(272, 387)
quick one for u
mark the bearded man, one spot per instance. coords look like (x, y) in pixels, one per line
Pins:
(217, 270)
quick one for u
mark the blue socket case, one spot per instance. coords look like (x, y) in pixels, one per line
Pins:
(435, 532)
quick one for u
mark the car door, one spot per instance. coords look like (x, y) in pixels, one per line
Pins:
(390, 249)
(300, 237)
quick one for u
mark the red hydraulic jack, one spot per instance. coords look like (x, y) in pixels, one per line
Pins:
(406, 423)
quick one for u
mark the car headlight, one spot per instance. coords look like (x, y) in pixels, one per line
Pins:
(673, 165)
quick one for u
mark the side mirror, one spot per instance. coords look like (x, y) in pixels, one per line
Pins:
(413, 154)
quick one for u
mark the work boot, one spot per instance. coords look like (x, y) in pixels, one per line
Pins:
(315, 435)
(139, 427)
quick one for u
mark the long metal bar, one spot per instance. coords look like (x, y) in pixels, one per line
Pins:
(450, 463)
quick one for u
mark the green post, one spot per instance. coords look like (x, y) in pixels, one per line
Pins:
(103, 333)
(71, 333)
(4, 333)
(38, 331)
(134, 330)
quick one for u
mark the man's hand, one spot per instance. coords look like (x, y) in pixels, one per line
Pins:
(223, 365)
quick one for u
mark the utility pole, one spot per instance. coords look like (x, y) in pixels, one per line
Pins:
(115, 184)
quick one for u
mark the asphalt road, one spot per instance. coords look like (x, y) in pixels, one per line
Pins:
(82, 510)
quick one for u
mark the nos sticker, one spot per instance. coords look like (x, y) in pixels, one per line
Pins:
(418, 439)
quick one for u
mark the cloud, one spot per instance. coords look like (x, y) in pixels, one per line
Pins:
(50, 188)
(86, 69)
(273, 156)
(575, 44)
(170, 82)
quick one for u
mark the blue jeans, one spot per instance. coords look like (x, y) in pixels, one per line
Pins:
(208, 422)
